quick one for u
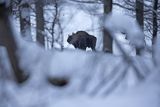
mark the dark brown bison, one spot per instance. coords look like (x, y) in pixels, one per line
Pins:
(82, 40)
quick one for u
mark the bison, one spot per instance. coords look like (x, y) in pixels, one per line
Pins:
(82, 40)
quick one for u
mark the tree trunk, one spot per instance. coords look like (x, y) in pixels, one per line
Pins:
(107, 39)
(40, 22)
(25, 25)
(7, 39)
(140, 17)
(155, 24)
(139, 13)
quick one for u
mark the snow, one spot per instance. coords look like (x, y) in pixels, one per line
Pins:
(85, 70)
(126, 45)
(125, 24)
(138, 99)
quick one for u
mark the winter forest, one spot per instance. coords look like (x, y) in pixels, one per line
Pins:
(79, 53)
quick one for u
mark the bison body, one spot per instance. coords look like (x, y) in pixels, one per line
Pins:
(82, 40)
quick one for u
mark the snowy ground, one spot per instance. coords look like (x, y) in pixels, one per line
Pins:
(38, 92)
(85, 71)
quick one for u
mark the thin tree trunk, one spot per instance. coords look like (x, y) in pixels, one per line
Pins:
(139, 13)
(40, 22)
(25, 24)
(155, 24)
(107, 39)
(55, 19)
(140, 17)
